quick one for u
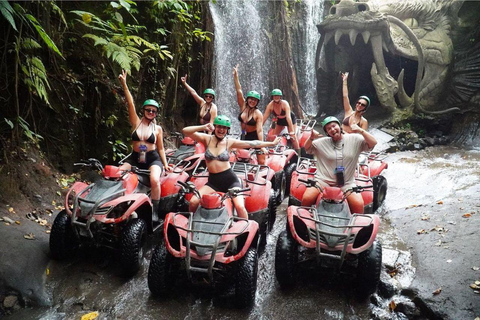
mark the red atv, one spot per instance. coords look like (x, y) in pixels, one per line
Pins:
(330, 235)
(188, 150)
(212, 246)
(113, 212)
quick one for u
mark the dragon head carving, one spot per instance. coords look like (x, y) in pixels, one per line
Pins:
(400, 53)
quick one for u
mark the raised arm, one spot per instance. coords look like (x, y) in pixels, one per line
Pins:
(192, 91)
(308, 144)
(132, 114)
(193, 133)
(238, 88)
(346, 101)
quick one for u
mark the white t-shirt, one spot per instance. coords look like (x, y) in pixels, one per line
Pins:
(330, 155)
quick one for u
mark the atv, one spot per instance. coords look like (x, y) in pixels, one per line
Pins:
(187, 150)
(113, 212)
(331, 236)
(212, 246)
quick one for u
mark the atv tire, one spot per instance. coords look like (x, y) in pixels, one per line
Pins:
(63, 242)
(379, 191)
(288, 177)
(368, 270)
(131, 246)
(272, 212)
(162, 271)
(246, 279)
(280, 186)
(286, 258)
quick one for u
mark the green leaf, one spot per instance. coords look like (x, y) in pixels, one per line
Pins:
(8, 12)
(43, 34)
(114, 4)
(125, 4)
(10, 123)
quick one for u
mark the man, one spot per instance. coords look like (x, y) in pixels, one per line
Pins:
(337, 157)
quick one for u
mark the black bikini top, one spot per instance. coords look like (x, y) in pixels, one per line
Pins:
(250, 122)
(281, 113)
(207, 116)
(135, 137)
(224, 156)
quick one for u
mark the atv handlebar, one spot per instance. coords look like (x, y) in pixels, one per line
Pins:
(92, 162)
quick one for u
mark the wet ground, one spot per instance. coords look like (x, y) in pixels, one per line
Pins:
(430, 190)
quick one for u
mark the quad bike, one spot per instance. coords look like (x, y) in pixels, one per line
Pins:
(171, 193)
(332, 237)
(212, 246)
(370, 167)
(113, 212)
(187, 150)
(281, 160)
(261, 204)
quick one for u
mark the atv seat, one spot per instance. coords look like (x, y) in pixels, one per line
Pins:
(206, 226)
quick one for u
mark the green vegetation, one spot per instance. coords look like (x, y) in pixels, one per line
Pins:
(60, 61)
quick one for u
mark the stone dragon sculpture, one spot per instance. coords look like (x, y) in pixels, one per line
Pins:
(421, 55)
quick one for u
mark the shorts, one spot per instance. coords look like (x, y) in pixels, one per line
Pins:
(249, 136)
(222, 181)
(153, 158)
(283, 121)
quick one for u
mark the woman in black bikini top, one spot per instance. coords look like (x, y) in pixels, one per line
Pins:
(217, 150)
(208, 109)
(351, 116)
(147, 139)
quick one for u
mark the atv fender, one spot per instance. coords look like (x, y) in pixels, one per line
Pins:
(142, 205)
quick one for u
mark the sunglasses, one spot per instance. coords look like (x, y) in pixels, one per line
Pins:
(208, 96)
(154, 111)
(362, 104)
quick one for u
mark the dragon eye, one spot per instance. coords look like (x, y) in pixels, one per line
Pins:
(411, 22)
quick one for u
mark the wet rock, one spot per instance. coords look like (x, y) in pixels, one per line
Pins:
(10, 301)
(407, 308)
(7, 219)
(386, 287)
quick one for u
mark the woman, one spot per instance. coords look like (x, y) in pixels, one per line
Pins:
(285, 117)
(217, 153)
(250, 117)
(208, 109)
(351, 116)
(147, 140)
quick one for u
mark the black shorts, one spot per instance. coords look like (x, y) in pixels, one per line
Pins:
(222, 181)
(153, 158)
(249, 136)
(283, 121)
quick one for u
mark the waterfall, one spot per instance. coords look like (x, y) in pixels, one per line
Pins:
(240, 39)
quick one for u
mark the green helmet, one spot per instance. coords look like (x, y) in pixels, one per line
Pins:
(366, 99)
(209, 91)
(151, 102)
(222, 121)
(327, 120)
(276, 92)
(253, 94)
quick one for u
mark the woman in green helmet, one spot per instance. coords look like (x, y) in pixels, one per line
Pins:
(251, 119)
(208, 109)
(217, 155)
(147, 140)
(353, 116)
(285, 117)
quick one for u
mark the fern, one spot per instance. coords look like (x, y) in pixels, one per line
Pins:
(8, 12)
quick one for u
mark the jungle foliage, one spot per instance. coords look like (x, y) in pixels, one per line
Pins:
(60, 61)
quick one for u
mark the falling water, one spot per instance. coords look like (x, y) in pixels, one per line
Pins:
(239, 39)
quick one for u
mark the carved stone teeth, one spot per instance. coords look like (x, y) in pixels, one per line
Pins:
(328, 36)
(403, 98)
(338, 35)
(366, 36)
(384, 46)
(378, 53)
(353, 36)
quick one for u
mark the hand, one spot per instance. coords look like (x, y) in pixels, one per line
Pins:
(315, 135)
(291, 133)
(355, 128)
(184, 79)
(169, 168)
(277, 140)
(235, 71)
(344, 76)
(123, 77)
(209, 127)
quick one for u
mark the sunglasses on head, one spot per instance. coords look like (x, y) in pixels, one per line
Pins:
(362, 104)
(208, 96)
(154, 111)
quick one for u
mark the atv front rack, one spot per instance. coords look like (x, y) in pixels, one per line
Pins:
(305, 125)
(306, 166)
(341, 237)
(214, 247)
